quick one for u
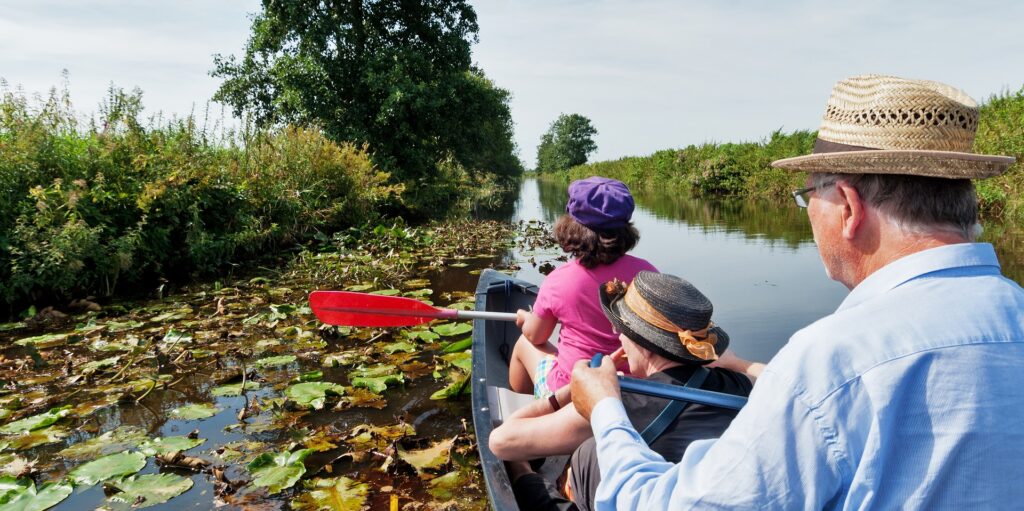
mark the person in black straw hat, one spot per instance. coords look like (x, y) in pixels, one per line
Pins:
(667, 336)
(908, 396)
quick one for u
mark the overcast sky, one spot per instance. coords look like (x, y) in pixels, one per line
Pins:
(650, 74)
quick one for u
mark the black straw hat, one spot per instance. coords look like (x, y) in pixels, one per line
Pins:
(666, 315)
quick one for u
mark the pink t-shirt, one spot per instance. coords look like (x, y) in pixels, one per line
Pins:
(570, 295)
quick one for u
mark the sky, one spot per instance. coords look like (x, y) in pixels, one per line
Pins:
(650, 74)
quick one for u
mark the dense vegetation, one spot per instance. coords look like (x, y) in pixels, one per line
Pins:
(568, 142)
(122, 202)
(744, 170)
(391, 74)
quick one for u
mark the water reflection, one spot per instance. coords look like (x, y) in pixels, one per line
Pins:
(756, 261)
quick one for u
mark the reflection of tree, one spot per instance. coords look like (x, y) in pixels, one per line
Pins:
(1009, 243)
(770, 222)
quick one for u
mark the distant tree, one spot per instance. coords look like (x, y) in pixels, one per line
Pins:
(394, 74)
(567, 143)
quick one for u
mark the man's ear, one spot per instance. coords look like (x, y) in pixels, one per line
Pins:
(853, 209)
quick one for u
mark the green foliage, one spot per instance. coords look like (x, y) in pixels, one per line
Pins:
(567, 143)
(1001, 131)
(391, 74)
(123, 202)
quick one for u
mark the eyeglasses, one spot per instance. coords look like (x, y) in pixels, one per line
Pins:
(803, 195)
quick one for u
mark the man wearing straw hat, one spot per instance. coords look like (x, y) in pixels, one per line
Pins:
(910, 395)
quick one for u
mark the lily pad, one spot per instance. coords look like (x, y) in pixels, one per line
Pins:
(30, 439)
(37, 421)
(452, 329)
(147, 490)
(195, 411)
(395, 347)
(312, 394)
(117, 440)
(463, 306)
(457, 346)
(359, 288)
(275, 472)
(174, 337)
(279, 360)
(455, 389)
(419, 293)
(107, 467)
(44, 341)
(423, 335)
(416, 283)
(316, 375)
(385, 292)
(376, 384)
(446, 487)
(90, 407)
(430, 459)
(462, 360)
(96, 365)
(169, 444)
(233, 389)
(360, 397)
(334, 494)
(27, 498)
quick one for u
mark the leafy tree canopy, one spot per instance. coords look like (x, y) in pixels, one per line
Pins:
(395, 74)
(567, 143)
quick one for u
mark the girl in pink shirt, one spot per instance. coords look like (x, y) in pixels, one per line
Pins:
(597, 232)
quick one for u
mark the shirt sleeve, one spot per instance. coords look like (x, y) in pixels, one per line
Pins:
(775, 455)
(547, 298)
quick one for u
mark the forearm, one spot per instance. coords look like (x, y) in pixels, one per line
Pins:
(526, 438)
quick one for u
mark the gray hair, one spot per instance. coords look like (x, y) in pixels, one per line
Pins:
(917, 205)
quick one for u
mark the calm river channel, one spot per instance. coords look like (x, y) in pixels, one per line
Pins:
(757, 262)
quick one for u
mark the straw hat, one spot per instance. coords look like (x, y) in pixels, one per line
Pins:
(666, 315)
(877, 124)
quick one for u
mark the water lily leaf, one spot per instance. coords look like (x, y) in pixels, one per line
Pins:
(458, 265)
(175, 337)
(419, 293)
(312, 394)
(359, 288)
(451, 329)
(137, 492)
(462, 360)
(448, 486)
(360, 397)
(195, 411)
(11, 326)
(169, 444)
(30, 439)
(88, 408)
(168, 317)
(44, 341)
(316, 375)
(366, 436)
(416, 283)
(320, 440)
(121, 326)
(107, 467)
(12, 486)
(96, 365)
(28, 498)
(278, 471)
(117, 440)
(377, 384)
(430, 459)
(454, 389)
(463, 306)
(395, 347)
(274, 361)
(233, 389)
(457, 346)
(37, 421)
(386, 292)
(345, 358)
(334, 494)
(422, 335)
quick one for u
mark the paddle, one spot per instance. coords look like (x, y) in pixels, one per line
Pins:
(675, 392)
(362, 309)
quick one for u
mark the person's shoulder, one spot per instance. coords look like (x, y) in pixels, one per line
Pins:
(730, 382)
(637, 262)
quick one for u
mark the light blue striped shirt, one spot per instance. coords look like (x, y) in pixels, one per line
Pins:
(909, 396)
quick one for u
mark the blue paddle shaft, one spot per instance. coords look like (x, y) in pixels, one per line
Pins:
(675, 392)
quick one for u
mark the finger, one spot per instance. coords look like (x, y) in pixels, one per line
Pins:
(618, 355)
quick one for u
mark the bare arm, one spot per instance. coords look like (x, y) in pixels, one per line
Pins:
(536, 329)
(535, 430)
(729, 360)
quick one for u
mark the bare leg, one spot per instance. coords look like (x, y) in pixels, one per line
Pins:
(525, 357)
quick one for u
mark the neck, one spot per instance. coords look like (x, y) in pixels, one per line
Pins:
(897, 246)
(658, 364)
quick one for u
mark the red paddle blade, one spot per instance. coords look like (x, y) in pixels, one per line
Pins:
(360, 309)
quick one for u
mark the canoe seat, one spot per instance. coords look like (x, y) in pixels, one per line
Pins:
(508, 402)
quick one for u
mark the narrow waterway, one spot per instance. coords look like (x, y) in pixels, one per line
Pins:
(757, 262)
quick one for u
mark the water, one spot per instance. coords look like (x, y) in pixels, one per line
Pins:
(757, 262)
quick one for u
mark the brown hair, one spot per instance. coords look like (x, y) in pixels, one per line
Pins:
(918, 204)
(594, 247)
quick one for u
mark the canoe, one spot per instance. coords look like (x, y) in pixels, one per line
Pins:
(492, 346)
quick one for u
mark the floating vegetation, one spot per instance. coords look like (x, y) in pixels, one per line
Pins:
(232, 394)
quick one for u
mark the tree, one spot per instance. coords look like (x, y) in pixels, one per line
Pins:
(567, 143)
(394, 74)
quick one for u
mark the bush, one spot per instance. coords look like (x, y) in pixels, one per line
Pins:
(122, 203)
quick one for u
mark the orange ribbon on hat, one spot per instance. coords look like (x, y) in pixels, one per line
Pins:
(700, 343)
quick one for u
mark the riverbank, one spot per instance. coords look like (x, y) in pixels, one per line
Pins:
(125, 203)
(743, 169)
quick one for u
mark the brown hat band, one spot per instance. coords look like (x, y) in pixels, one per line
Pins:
(826, 146)
(703, 348)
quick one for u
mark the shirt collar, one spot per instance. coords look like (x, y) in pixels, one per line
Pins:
(904, 269)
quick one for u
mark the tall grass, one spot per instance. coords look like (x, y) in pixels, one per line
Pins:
(744, 170)
(120, 202)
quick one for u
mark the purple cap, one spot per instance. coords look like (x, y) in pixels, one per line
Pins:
(600, 203)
